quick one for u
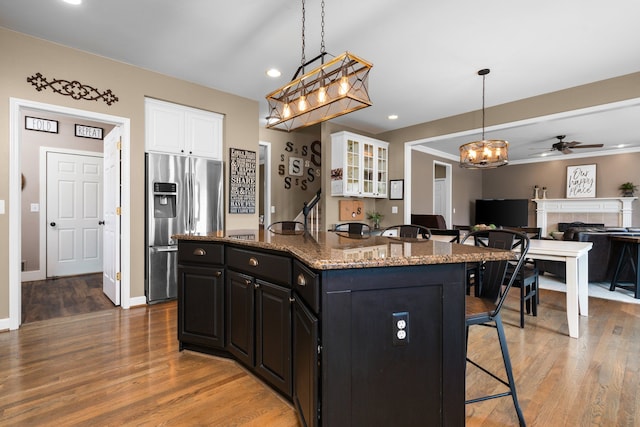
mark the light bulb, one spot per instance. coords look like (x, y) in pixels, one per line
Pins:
(344, 85)
(322, 94)
(302, 103)
(286, 112)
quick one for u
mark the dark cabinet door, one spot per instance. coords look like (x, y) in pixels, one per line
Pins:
(240, 317)
(201, 306)
(305, 364)
(273, 335)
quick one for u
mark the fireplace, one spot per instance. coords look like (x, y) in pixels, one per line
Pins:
(610, 211)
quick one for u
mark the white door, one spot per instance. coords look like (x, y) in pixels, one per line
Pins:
(440, 197)
(74, 209)
(111, 221)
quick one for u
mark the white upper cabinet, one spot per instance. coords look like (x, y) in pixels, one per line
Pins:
(359, 166)
(176, 129)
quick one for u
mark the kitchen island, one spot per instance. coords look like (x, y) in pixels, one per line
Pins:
(354, 330)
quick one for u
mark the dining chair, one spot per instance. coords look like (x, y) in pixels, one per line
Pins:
(407, 231)
(484, 308)
(454, 234)
(286, 227)
(527, 279)
(353, 228)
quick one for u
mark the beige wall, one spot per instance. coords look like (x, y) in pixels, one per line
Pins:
(289, 192)
(24, 56)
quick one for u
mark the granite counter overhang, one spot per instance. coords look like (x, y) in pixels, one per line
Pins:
(334, 251)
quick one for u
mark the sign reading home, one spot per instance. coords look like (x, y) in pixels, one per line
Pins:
(89, 132)
(581, 181)
(242, 181)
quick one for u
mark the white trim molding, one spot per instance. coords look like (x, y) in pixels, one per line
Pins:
(618, 205)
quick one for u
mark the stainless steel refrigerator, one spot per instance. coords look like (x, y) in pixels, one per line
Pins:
(184, 195)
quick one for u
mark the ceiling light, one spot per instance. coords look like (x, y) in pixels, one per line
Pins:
(332, 89)
(393, 117)
(74, 2)
(621, 145)
(273, 72)
(484, 154)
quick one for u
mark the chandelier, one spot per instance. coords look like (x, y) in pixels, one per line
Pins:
(486, 153)
(332, 89)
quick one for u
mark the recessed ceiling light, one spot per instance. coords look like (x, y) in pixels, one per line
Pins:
(74, 2)
(272, 72)
(621, 145)
(393, 117)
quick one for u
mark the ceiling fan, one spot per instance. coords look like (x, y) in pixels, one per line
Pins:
(565, 147)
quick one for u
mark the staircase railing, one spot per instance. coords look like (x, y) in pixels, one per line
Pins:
(310, 214)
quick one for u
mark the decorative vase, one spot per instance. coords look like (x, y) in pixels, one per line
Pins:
(544, 192)
(536, 192)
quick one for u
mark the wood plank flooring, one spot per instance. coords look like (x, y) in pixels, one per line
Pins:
(123, 367)
(64, 296)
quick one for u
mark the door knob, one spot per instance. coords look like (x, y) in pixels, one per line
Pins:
(53, 224)
(100, 222)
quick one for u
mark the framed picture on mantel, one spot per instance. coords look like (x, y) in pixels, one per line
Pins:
(581, 181)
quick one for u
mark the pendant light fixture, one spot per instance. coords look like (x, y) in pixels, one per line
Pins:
(486, 153)
(337, 87)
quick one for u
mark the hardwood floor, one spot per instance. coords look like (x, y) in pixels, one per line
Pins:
(64, 296)
(123, 367)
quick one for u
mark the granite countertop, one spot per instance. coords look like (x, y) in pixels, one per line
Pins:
(331, 250)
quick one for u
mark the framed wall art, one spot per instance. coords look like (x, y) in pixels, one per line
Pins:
(396, 189)
(581, 181)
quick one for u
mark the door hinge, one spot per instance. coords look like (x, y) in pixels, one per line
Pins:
(118, 211)
(118, 275)
(119, 145)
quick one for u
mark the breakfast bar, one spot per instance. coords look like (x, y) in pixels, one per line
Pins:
(353, 330)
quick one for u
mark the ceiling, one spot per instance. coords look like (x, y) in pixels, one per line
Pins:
(425, 54)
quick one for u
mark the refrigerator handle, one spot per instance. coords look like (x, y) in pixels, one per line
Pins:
(193, 199)
(187, 219)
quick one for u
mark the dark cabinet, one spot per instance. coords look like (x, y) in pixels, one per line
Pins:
(305, 364)
(259, 315)
(201, 297)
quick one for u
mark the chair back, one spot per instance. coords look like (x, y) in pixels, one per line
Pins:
(407, 231)
(286, 227)
(429, 220)
(531, 232)
(454, 234)
(353, 228)
(493, 286)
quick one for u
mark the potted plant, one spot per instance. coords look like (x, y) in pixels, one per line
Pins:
(628, 189)
(376, 217)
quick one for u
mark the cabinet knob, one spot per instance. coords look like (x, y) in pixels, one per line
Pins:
(218, 273)
(256, 285)
(292, 299)
(301, 280)
(253, 262)
(247, 282)
(199, 252)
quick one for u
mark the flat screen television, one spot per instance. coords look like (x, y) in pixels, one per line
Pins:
(503, 212)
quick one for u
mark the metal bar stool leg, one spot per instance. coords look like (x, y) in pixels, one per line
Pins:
(507, 367)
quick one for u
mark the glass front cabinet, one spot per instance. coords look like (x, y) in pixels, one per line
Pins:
(359, 166)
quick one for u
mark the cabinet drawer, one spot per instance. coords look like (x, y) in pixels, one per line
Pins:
(200, 252)
(276, 268)
(307, 284)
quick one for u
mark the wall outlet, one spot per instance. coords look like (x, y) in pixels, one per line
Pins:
(394, 209)
(35, 207)
(273, 209)
(400, 328)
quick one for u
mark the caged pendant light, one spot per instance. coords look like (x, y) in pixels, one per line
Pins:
(332, 89)
(486, 153)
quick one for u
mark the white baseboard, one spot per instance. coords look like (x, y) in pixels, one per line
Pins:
(5, 325)
(30, 276)
(137, 301)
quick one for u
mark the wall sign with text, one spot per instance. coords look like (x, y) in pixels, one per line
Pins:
(89, 132)
(242, 181)
(40, 125)
(300, 166)
(581, 181)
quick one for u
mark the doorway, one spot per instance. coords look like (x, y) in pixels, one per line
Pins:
(265, 183)
(442, 190)
(17, 106)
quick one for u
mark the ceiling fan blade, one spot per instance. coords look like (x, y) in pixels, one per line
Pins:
(589, 146)
(566, 151)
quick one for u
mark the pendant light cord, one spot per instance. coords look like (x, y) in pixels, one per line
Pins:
(322, 48)
(483, 73)
(303, 60)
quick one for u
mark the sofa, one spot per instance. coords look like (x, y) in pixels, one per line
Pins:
(604, 254)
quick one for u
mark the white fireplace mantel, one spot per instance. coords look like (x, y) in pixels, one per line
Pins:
(619, 205)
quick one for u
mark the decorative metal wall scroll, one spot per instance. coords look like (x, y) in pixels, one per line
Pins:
(74, 89)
